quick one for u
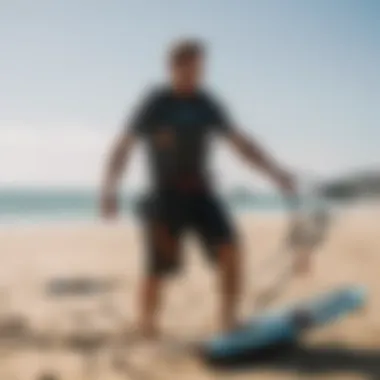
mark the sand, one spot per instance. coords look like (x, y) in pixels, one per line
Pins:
(32, 255)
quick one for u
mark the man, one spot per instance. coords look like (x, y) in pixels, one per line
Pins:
(176, 123)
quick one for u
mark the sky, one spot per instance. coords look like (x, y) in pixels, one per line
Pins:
(301, 76)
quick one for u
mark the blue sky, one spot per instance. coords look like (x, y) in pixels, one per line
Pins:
(301, 75)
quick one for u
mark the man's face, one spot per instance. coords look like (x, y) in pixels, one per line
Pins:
(188, 73)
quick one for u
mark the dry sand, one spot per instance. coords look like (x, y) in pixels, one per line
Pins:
(32, 255)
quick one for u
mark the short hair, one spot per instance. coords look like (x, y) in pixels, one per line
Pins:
(185, 50)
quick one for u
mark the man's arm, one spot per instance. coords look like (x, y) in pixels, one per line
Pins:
(117, 160)
(115, 166)
(249, 149)
(252, 152)
(135, 127)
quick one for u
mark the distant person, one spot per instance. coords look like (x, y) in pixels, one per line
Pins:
(176, 122)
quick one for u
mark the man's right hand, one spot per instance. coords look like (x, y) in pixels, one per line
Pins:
(109, 205)
(118, 156)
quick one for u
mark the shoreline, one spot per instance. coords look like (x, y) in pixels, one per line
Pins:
(131, 221)
(124, 220)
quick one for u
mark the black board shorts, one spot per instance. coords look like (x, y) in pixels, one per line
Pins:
(166, 217)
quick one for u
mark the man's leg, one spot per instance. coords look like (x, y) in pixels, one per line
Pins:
(150, 297)
(229, 261)
(217, 233)
(162, 260)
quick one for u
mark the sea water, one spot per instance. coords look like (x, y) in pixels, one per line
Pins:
(53, 205)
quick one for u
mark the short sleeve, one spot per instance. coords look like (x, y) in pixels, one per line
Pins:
(220, 117)
(143, 116)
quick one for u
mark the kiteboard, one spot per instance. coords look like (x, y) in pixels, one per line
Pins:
(286, 325)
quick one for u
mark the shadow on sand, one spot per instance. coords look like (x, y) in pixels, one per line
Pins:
(308, 361)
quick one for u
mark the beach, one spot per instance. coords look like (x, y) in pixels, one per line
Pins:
(33, 255)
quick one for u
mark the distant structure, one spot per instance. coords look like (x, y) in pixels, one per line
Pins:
(361, 185)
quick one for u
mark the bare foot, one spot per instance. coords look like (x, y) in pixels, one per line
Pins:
(230, 325)
(149, 332)
(303, 264)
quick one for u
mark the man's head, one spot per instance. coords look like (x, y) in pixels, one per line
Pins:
(186, 59)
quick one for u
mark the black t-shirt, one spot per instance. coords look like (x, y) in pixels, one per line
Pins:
(177, 132)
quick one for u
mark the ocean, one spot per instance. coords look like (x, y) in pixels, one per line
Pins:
(52, 205)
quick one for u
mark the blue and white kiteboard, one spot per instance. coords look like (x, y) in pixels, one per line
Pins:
(284, 325)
